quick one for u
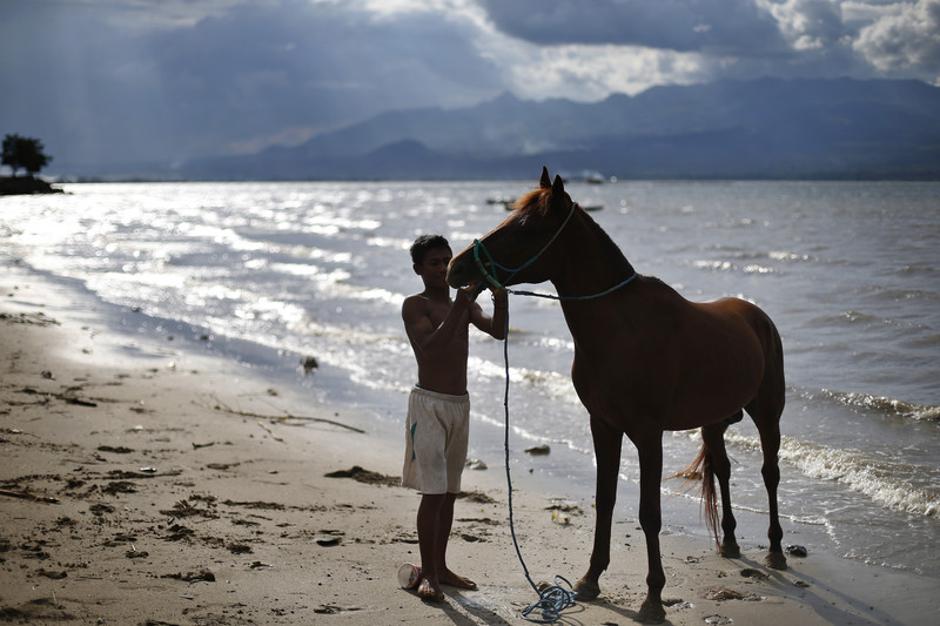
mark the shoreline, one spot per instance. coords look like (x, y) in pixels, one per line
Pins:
(245, 499)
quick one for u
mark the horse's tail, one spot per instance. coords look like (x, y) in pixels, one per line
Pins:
(701, 468)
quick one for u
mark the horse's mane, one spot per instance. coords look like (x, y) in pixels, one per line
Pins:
(615, 255)
(535, 200)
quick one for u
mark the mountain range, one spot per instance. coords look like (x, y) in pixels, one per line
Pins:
(764, 128)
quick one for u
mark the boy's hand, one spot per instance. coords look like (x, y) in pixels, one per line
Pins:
(500, 298)
(466, 295)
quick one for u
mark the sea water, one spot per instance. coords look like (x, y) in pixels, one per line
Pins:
(850, 273)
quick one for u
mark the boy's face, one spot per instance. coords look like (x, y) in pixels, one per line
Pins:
(433, 267)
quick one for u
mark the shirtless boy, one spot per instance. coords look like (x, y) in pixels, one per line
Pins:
(437, 427)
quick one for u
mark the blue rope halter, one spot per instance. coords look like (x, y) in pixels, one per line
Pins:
(480, 249)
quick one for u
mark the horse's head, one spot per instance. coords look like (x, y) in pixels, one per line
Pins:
(522, 242)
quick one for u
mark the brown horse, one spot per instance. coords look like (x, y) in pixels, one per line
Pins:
(646, 360)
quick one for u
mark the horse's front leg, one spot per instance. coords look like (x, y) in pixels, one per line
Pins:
(607, 444)
(650, 450)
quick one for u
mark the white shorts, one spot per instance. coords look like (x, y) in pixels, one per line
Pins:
(437, 432)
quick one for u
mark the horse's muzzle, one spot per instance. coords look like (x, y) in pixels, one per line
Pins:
(461, 272)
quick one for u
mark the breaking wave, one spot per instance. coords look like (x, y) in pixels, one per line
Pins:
(879, 479)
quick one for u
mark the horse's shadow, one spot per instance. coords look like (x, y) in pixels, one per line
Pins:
(629, 614)
(866, 615)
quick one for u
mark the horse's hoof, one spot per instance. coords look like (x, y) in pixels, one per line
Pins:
(586, 589)
(652, 612)
(775, 560)
(730, 551)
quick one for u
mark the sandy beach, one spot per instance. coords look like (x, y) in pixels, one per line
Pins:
(145, 483)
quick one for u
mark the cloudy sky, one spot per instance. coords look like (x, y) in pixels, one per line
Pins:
(148, 80)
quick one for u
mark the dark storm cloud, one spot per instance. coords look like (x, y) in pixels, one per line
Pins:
(124, 81)
(720, 26)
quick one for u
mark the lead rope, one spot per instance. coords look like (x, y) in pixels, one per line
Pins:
(553, 599)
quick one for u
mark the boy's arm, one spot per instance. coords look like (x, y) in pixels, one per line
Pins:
(493, 326)
(424, 336)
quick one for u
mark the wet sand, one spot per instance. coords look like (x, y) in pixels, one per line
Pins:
(142, 483)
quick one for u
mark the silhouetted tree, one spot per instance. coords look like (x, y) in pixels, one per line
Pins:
(24, 152)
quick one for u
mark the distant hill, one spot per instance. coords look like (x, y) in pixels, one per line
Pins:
(766, 128)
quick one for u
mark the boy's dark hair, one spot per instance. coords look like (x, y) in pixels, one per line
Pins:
(424, 243)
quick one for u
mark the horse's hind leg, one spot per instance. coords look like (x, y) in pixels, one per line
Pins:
(607, 446)
(650, 449)
(713, 436)
(768, 426)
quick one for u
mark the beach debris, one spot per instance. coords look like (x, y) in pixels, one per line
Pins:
(404, 537)
(476, 464)
(179, 532)
(100, 509)
(204, 337)
(147, 470)
(120, 486)
(184, 508)
(309, 363)
(801, 583)
(470, 537)
(327, 609)
(239, 548)
(40, 610)
(272, 392)
(77, 401)
(54, 575)
(47, 375)
(562, 519)
(222, 466)
(143, 473)
(192, 577)
(753, 573)
(677, 603)
(563, 506)
(270, 432)
(256, 504)
(539, 450)
(795, 550)
(720, 594)
(362, 475)
(115, 449)
(25, 495)
(36, 319)
(136, 554)
(328, 540)
(157, 622)
(477, 497)
(196, 446)
(283, 419)
(409, 575)
(486, 521)
(258, 564)
(718, 620)
(65, 397)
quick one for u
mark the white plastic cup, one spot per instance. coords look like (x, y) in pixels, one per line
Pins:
(408, 576)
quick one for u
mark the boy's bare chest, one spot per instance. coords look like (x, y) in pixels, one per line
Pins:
(438, 311)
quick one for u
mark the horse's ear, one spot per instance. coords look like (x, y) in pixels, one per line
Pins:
(558, 186)
(546, 181)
